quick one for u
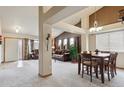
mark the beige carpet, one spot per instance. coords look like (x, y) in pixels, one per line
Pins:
(25, 74)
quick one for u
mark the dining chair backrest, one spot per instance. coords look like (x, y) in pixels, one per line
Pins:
(113, 56)
(105, 51)
(87, 57)
(116, 54)
(85, 52)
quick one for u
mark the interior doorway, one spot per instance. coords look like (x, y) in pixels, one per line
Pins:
(13, 49)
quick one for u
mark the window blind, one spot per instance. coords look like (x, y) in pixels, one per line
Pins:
(112, 41)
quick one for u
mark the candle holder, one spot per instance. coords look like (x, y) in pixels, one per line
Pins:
(96, 51)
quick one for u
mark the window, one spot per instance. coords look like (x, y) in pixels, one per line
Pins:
(71, 41)
(36, 44)
(65, 43)
(113, 41)
(60, 43)
(29, 45)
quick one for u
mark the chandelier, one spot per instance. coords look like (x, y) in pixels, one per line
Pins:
(95, 27)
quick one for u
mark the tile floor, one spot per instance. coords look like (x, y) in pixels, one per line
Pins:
(25, 74)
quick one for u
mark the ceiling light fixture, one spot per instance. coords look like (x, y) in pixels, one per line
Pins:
(17, 29)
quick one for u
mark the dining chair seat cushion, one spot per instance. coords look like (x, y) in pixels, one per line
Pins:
(96, 59)
(89, 63)
(106, 59)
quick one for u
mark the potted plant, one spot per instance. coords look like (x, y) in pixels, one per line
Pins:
(73, 53)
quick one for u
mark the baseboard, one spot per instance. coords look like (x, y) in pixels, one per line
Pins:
(44, 76)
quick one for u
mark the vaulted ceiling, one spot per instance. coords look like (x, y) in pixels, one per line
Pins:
(74, 19)
(70, 24)
(26, 17)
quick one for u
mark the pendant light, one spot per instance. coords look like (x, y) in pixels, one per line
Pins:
(95, 20)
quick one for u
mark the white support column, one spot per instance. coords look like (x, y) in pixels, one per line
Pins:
(87, 42)
(45, 56)
(83, 42)
(85, 37)
(45, 63)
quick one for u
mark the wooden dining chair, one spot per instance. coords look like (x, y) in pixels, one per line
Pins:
(111, 65)
(116, 54)
(87, 61)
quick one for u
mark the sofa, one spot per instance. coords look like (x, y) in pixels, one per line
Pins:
(61, 55)
(34, 54)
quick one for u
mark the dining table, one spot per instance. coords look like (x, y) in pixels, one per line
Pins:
(101, 57)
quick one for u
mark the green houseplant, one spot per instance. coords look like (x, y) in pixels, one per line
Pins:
(73, 53)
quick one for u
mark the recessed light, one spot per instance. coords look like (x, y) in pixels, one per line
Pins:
(17, 29)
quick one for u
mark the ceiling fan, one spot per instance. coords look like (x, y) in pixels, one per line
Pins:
(121, 16)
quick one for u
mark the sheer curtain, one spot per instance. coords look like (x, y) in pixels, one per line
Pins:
(32, 44)
(25, 49)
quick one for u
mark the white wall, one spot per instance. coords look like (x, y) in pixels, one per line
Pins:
(83, 42)
(11, 49)
(56, 32)
(120, 60)
(92, 42)
(20, 47)
(1, 52)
